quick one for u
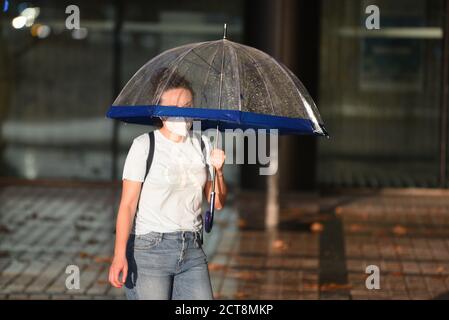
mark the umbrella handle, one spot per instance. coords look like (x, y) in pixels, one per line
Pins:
(212, 202)
(214, 174)
(209, 218)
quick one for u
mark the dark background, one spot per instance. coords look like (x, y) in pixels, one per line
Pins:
(381, 96)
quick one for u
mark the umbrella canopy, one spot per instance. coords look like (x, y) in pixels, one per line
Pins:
(233, 85)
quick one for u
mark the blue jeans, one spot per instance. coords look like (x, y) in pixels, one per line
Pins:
(164, 266)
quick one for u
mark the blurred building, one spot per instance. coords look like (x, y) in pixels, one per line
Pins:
(379, 91)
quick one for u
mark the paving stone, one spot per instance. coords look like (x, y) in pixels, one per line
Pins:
(19, 296)
(404, 236)
(411, 267)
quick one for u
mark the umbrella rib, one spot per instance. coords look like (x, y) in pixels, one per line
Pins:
(176, 64)
(261, 76)
(305, 103)
(207, 75)
(306, 96)
(200, 65)
(238, 77)
(139, 71)
(206, 62)
(221, 73)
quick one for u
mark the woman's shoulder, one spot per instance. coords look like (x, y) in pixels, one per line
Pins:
(142, 141)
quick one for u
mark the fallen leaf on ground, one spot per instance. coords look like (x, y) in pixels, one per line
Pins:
(364, 215)
(441, 269)
(316, 227)
(4, 229)
(398, 249)
(338, 211)
(242, 223)
(102, 282)
(92, 241)
(239, 295)
(33, 216)
(85, 255)
(380, 233)
(103, 259)
(399, 230)
(313, 286)
(216, 266)
(279, 245)
(335, 286)
(354, 227)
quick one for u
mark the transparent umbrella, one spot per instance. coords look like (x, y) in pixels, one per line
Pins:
(233, 85)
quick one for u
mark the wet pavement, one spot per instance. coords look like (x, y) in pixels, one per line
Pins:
(319, 251)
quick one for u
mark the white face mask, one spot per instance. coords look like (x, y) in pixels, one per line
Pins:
(178, 125)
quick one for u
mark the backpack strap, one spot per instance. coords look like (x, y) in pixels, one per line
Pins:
(203, 146)
(150, 157)
(150, 153)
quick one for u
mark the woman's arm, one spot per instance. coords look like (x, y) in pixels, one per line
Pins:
(217, 161)
(125, 218)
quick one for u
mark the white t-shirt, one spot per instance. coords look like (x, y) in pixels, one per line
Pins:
(171, 198)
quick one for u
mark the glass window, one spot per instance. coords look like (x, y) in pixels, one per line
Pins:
(380, 94)
(57, 84)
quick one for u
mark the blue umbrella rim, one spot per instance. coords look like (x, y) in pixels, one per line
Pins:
(210, 118)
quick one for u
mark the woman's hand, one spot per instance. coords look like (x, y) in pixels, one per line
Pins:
(217, 158)
(119, 265)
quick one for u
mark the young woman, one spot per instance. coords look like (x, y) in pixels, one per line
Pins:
(158, 254)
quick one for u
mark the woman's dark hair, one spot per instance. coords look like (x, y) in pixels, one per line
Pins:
(176, 81)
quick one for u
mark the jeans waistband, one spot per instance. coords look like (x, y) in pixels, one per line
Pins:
(179, 234)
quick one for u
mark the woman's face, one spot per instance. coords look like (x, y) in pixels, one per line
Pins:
(179, 97)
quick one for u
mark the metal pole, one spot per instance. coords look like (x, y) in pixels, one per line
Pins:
(116, 80)
(444, 99)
